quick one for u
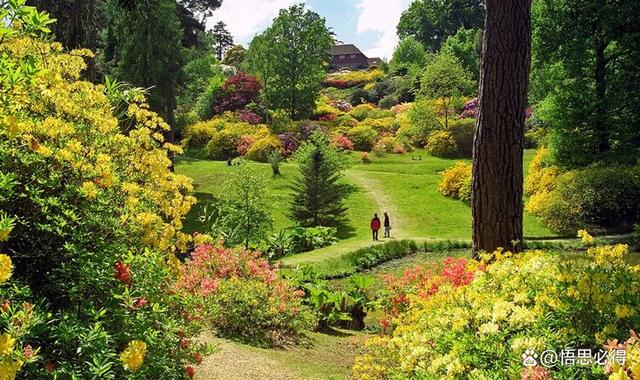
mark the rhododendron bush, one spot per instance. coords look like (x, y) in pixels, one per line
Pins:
(91, 219)
(242, 296)
(473, 321)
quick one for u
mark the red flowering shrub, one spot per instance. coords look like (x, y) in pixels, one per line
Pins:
(341, 142)
(244, 297)
(327, 117)
(337, 83)
(422, 282)
(237, 91)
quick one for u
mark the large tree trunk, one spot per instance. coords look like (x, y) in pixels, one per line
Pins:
(498, 142)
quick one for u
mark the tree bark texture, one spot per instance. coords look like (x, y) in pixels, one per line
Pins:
(497, 204)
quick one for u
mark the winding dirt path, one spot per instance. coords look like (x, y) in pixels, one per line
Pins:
(383, 201)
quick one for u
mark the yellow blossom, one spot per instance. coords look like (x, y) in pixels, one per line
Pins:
(133, 356)
(6, 344)
(89, 189)
(624, 311)
(9, 368)
(620, 374)
(586, 238)
(6, 268)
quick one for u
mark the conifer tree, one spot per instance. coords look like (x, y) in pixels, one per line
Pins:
(318, 197)
(223, 39)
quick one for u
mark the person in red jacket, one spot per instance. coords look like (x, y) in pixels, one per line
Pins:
(375, 226)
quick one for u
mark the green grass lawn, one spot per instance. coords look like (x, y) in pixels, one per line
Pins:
(398, 184)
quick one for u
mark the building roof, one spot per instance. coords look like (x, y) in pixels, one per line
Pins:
(345, 49)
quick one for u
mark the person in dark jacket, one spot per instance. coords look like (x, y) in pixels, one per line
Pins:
(387, 226)
(375, 226)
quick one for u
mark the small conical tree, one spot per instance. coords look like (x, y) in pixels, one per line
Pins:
(318, 197)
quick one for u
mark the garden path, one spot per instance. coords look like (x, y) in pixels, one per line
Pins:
(383, 201)
(233, 361)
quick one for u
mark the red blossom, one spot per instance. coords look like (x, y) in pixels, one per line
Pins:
(185, 343)
(191, 372)
(123, 272)
(50, 367)
(28, 351)
(6, 305)
(141, 302)
(197, 357)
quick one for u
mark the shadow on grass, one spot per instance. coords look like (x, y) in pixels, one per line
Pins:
(345, 229)
(327, 330)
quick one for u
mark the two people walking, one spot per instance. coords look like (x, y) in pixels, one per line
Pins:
(375, 226)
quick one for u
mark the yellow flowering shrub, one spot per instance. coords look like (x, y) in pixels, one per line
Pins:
(133, 356)
(91, 215)
(529, 301)
(456, 182)
(542, 175)
(441, 144)
(260, 150)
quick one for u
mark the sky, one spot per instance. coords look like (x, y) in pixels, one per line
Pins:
(369, 24)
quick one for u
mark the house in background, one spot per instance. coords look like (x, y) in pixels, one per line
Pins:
(349, 56)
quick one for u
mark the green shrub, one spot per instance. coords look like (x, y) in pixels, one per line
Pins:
(362, 137)
(441, 144)
(388, 101)
(423, 120)
(243, 297)
(90, 217)
(362, 111)
(304, 239)
(384, 124)
(462, 131)
(598, 198)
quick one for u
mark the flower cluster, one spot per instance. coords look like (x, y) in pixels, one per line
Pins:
(529, 301)
(243, 296)
(133, 355)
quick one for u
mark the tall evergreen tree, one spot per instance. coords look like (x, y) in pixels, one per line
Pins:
(318, 197)
(223, 39)
(497, 207)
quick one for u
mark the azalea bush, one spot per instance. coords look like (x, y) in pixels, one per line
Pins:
(456, 182)
(475, 321)
(352, 78)
(242, 296)
(441, 144)
(92, 218)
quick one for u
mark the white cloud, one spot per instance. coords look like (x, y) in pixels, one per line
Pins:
(246, 18)
(381, 17)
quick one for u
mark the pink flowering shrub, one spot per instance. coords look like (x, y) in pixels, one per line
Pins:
(245, 143)
(341, 142)
(470, 108)
(243, 296)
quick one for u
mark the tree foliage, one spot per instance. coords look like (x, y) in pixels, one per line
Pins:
(245, 211)
(222, 39)
(444, 77)
(291, 56)
(409, 52)
(585, 68)
(466, 45)
(432, 21)
(235, 56)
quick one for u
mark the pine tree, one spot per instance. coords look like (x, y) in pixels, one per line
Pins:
(222, 38)
(318, 199)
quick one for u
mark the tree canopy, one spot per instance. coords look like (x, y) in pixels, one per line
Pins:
(292, 54)
(432, 21)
